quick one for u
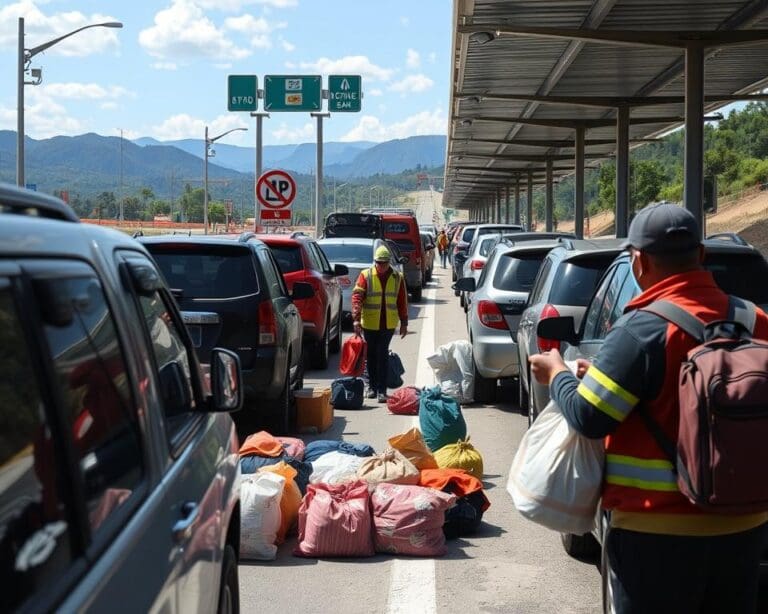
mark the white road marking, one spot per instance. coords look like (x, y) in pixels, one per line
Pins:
(413, 587)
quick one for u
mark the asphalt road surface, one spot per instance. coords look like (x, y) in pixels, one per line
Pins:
(510, 566)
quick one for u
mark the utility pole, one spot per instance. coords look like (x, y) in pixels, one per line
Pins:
(121, 213)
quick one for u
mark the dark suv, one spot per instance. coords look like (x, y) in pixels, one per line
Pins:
(233, 295)
(119, 480)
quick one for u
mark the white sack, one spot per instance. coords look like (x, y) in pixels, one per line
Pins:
(335, 468)
(260, 495)
(453, 368)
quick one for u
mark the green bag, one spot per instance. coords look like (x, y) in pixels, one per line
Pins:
(440, 419)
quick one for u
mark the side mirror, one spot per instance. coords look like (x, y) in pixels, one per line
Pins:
(340, 269)
(404, 259)
(430, 246)
(145, 279)
(302, 290)
(174, 389)
(466, 284)
(226, 378)
(558, 329)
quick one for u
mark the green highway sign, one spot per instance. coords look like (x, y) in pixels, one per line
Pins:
(242, 93)
(344, 93)
(293, 93)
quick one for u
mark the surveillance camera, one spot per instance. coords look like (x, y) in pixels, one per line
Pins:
(36, 73)
(211, 153)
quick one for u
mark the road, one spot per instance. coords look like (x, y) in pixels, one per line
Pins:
(510, 566)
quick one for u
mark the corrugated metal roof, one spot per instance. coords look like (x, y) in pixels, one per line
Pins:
(526, 65)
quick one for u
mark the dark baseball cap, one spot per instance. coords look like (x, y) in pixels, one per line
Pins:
(663, 229)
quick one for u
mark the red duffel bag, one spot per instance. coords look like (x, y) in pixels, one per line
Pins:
(404, 401)
(353, 356)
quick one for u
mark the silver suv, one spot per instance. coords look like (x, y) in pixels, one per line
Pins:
(563, 287)
(119, 480)
(499, 297)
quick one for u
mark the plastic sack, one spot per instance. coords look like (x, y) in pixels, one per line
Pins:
(335, 468)
(454, 370)
(293, 447)
(395, 370)
(460, 455)
(405, 401)
(290, 501)
(409, 519)
(353, 356)
(411, 445)
(556, 476)
(262, 444)
(335, 520)
(440, 419)
(260, 496)
(389, 466)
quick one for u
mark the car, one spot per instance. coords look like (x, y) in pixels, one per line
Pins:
(477, 255)
(428, 248)
(430, 228)
(735, 266)
(499, 296)
(363, 225)
(464, 237)
(233, 295)
(404, 232)
(301, 259)
(120, 476)
(563, 287)
(356, 254)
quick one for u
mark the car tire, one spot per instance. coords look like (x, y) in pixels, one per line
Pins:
(416, 294)
(335, 347)
(323, 348)
(284, 406)
(298, 384)
(580, 546)
(229, 587)
(522, 397)
(453, 274)
(485, 388)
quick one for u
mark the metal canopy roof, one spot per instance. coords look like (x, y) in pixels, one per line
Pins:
(509, 55)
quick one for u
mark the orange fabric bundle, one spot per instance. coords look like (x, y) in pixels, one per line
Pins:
(262, 444)
(291, 500)
(461, 482)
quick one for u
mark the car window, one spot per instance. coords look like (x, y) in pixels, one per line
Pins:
(736, 274)
(314, 260)
(325, 266)
(540, 282)
(575, 280)
(592, 316)
(204, 271)
(517, 272)
(486, 245)
(612, 307)
(274, 279)
(93, 384)
(34, 508)
(288, 257)
(468, 234)
(348, 253)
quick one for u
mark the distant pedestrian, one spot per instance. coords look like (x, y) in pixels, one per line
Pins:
(442, 247)
(379, 300)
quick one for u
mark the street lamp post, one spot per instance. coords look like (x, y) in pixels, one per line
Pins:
(24, 58)
(208, 142)
(336, 187)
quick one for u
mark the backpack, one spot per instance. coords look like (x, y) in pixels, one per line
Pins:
(347, 393)
(723, 426)
(353, 356)
(395, 370)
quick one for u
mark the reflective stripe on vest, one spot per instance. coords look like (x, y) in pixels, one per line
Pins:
(371, 312)
(642, 473)
(606, 395)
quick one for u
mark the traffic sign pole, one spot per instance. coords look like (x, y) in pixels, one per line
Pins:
(319, 173)
(256, 207)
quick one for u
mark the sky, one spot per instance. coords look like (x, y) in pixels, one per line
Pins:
(164, 74)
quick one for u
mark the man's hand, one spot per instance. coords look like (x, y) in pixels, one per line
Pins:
(582, 365)
(357, 328)
(403, 330)
(546, 366)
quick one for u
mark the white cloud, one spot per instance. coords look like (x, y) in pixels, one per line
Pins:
(184, 126)
(286, 134)
(164, 65)
(40, 28)
(223, 65)
(182, 31)
(412, 59)
(371, 128)
(287, 46)
(44, 117)
(235, 5)
(108, 106)
(291, 65)
(350, 64)
(85, 91)
(375, 92)
(412, 84)
(258, 27)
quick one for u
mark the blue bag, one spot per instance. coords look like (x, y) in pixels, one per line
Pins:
(315, 449)
(356, 449)
(395, 370)
(440, 419)
(347, 392)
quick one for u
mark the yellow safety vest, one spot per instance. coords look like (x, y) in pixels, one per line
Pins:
(374, 294)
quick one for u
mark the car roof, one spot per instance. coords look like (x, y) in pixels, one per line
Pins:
(198, 240)
(529, 246)
(575, 248)
(348, 241)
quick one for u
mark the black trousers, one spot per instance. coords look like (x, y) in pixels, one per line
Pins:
(378, 358)
(670, 574)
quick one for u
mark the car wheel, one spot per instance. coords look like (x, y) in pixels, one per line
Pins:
(416, 294)
(485, 388)
(336, 341)
(605, 575)
(580, 546)
(462, 302)
(453, 274)
(322, 349)
(299, 383)
(229, 589)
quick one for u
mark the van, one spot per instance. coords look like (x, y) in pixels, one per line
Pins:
(403, 230)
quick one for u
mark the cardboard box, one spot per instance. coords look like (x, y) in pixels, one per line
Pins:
(314, 412)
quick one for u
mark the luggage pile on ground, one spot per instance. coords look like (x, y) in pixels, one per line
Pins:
(454, 370)
(343, 499)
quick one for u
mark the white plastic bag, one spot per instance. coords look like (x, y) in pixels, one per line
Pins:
(260, 495)
(454, 371)
(556, 476)
(335, 468)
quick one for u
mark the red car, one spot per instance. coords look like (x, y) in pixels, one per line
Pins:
(301, 259)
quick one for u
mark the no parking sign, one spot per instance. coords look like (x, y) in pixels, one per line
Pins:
(275, 191)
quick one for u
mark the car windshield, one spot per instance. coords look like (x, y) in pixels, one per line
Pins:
(202, 271)
(288, 258)
(575, 280)
(517, 272)
(351, 253)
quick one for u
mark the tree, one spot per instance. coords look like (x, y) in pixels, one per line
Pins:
(606, 196)
(648, 177)
(191, 203)
(107, 205)
(217, 214)
(132, 208)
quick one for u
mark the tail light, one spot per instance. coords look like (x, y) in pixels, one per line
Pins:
(476, 265)
(345, 281)
(545, 345)
(267, 323)
(490, 315)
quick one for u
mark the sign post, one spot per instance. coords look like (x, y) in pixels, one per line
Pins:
(275, 191)
(345, 93)
(293, 93)
(242, 93)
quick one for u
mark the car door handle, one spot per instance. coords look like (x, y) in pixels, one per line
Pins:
(182, 528)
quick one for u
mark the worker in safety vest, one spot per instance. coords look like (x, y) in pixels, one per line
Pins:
(442, 247)
(378, 302)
